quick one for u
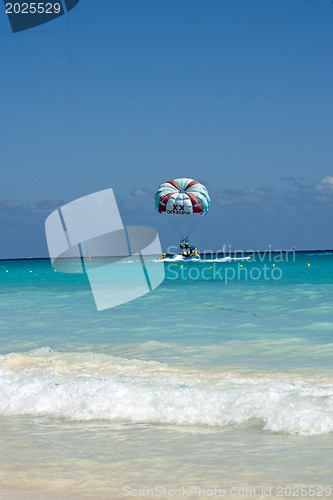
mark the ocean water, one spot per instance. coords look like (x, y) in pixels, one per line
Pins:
(217, 383)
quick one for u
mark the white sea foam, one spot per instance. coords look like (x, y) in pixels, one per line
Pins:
(228, 259)
(88, 386)
(176, 258)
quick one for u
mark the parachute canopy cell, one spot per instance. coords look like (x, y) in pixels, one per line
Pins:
(182, 197)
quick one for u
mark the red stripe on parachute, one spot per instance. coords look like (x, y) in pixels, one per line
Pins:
(192, 183)
(197, 207)
(163, 202)
(174, 184)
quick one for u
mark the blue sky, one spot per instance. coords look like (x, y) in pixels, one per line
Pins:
(127, 94)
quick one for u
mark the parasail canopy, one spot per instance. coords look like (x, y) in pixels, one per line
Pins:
(182, 199)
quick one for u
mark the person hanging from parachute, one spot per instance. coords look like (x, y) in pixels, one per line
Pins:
(183, 200)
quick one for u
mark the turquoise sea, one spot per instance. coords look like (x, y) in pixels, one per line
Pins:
(217, 383)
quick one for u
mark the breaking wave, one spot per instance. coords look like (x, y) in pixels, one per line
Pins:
(89, 386)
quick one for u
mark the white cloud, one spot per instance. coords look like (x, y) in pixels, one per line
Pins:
(243, 196)
(325, 186)
(43, 207)
(142, 192)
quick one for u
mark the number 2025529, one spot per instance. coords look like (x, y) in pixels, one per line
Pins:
(33, 8)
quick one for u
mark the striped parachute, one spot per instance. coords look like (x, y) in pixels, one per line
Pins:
(183, 200)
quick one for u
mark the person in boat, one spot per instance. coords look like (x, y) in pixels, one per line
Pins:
(163, 255)
(181, 245)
